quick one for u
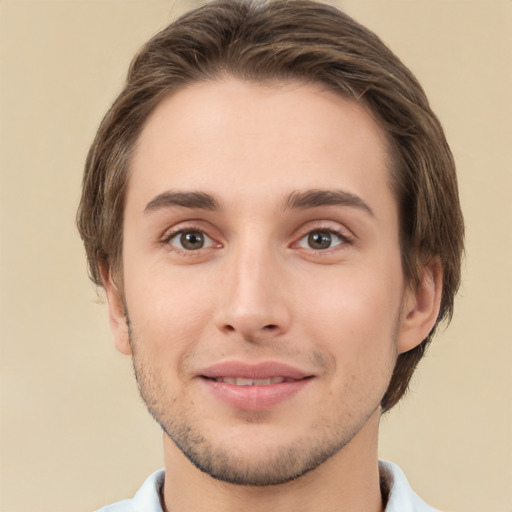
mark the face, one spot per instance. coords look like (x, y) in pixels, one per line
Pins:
(262, 284)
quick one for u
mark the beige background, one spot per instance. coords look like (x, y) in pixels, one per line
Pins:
(74, 434)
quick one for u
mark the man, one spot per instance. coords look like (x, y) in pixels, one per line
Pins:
(272, 210)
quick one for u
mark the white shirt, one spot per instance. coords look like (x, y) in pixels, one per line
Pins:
(401, 497)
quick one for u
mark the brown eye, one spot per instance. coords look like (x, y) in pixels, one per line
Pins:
(192, 240)
(321, 240)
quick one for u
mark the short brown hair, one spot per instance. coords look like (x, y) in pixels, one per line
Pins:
(260, 40)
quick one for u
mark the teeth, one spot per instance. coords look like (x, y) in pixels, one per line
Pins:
(240, 381)
(261, 382)
(244, 382)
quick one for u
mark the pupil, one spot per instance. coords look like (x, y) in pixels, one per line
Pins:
(192, 240)
(319, 240)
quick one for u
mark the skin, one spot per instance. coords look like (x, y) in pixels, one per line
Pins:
(260, 289)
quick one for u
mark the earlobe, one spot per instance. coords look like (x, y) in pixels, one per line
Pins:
(116, 310)
(421, 307)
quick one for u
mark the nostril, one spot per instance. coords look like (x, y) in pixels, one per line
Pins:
(249, 329)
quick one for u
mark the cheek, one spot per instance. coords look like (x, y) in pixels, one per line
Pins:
(168, 310)
(354, 326)
(353, 312)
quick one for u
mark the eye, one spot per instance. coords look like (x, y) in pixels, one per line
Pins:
(190, 240)
(321, 239)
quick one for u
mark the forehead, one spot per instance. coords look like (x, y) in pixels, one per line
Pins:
(245, 141)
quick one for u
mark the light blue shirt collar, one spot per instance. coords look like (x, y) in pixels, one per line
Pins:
(401, 497)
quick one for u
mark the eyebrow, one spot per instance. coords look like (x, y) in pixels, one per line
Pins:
(296, 200)
(317, 198)
(196, 200)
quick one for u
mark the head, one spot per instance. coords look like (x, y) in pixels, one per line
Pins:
(298, 41)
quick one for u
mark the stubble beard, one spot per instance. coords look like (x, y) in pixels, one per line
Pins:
(282, 465)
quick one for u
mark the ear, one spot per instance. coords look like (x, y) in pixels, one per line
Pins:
(421, 307)
(116, 309)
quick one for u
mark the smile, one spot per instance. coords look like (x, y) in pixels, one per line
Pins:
(254, 387)
(242, 381)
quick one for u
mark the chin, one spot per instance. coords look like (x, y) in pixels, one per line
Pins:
(258, 463)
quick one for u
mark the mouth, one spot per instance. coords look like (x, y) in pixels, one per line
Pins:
(253, 387)
(250, 374)
(242, 381)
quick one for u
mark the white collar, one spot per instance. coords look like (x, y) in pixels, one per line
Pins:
(401, 497)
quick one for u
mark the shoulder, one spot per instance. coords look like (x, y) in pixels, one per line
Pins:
(401, 497)
(147, 498)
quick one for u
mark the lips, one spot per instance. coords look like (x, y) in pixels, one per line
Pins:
(254, 386)
(241, 381)
(260, 371)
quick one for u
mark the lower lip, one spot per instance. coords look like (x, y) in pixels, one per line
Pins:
(255, 398)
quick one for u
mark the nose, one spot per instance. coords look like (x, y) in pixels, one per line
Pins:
(253, 301)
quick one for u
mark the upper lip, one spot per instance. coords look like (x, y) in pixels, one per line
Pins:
(263, 370)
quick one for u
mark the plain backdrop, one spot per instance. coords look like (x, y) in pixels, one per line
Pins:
(74, 433)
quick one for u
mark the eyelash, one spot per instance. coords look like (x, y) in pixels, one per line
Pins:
(341, 235)
(187, 229)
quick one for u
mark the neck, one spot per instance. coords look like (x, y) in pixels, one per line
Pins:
(349, 480)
